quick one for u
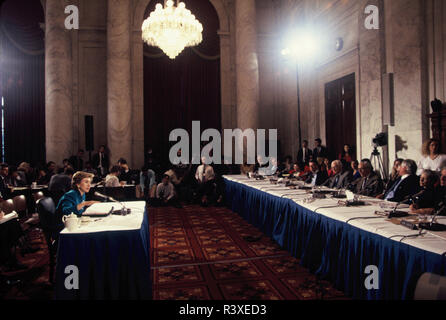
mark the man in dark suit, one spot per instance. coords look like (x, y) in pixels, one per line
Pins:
(304, 155)
(76, 161)
(101, 161)
(406, 185)
(320, 152)
(316, 177)
(369, 184)
(340, 179)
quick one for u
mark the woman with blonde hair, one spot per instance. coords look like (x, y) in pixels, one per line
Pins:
(74, 200)
(432, 158)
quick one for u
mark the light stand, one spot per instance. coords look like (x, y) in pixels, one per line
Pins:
(377, 162)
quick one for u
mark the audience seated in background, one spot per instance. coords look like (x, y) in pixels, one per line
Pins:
(346, 156)
(165, 194)
(370, 183)
(407, 184)
(49, 172)
(355, 170)
(432, 158)
(316, 176)
(89, 168)
(286, 166)
(14, 178)
(65, 163)
(60, 183)
(319, 152)
(127, 175)
(326, 166)
(77, 161)
(26, 173)
(112, 179)
(341, 179)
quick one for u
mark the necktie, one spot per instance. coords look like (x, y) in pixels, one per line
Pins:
(336, 181)
(303, 155)
(363, 184)
(204, 173)
(391, 193)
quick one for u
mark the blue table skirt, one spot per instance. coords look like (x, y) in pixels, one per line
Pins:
(112, 265)
(335, 250)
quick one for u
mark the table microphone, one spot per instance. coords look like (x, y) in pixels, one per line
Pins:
(124, 210)
(400, 214)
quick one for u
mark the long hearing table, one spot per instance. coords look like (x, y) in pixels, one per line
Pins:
(338, 242)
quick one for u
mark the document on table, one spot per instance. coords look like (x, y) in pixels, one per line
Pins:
(8, 217)
(102, 208)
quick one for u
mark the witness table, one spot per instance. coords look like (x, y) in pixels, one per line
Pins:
(338, 243)
(111, 255)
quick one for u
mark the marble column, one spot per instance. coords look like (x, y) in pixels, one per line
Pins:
(247, 67)
(119, 89)
(58, 84)
(246, 64)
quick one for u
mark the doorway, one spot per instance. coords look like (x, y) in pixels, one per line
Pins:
(340, 115)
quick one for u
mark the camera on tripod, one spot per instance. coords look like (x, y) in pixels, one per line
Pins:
(380, 140)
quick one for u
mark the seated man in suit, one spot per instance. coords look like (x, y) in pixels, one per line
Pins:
(369, 184)
(406, 185)
(340, 179)
(316, 177)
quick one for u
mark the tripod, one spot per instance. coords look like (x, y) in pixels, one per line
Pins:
(377, 162)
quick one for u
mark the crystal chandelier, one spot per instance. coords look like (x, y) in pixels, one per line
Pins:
(172, 28)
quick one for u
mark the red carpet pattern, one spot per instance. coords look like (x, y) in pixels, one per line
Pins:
(197, 254)
(213, 254)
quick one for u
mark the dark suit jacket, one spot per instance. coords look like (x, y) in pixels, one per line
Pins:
(320, 179)
(407, 187)
(105, 161)
(308, 154)
(322, 154)
(77, 163)
(373, 186)
(343, 181)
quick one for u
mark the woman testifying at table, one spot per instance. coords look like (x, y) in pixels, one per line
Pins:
(74, 200)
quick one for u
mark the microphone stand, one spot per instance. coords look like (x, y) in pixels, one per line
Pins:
(432, 226)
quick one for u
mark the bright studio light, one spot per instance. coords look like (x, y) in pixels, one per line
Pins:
(302, 45)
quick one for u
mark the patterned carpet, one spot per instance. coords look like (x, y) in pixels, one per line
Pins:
(197, 254)
(213, 254)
